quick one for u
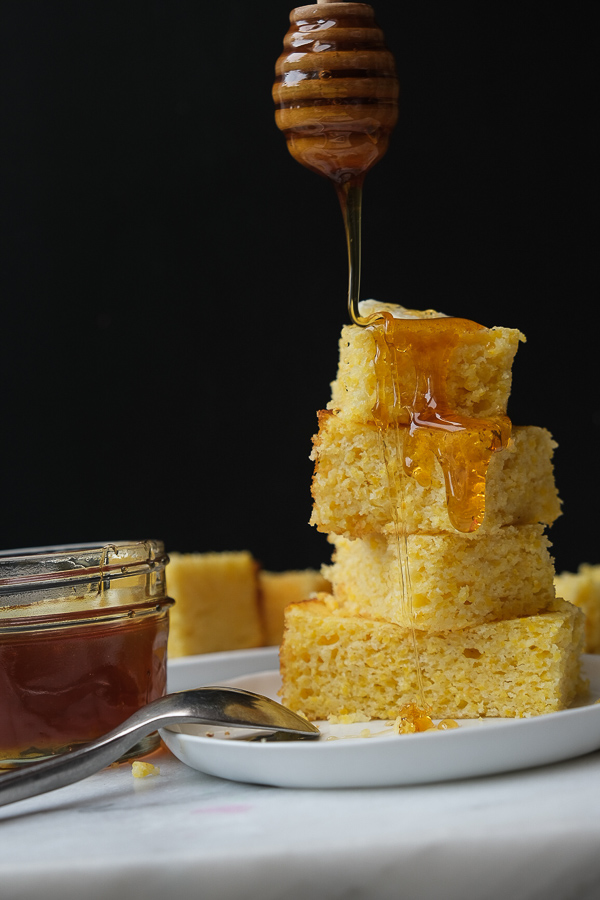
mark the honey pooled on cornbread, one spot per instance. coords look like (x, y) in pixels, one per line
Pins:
(351, 495)
(442, 580)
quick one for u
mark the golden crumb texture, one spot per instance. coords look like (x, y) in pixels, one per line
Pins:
(475, 612)
(216, 602)
(456, 580)
(334, 663)
(351, 495)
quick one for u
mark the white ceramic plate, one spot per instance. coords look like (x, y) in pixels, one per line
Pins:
(477, 747)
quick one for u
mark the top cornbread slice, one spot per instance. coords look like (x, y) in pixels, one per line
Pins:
(479, 382)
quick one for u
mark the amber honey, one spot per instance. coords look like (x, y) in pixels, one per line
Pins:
(412, 720)
(83, 645)
(416, 414)
(60, 687)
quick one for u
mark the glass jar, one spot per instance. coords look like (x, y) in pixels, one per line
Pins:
(83, 644)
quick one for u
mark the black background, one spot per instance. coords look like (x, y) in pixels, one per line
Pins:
(173, 284)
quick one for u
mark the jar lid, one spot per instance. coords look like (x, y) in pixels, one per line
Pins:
(96, 574)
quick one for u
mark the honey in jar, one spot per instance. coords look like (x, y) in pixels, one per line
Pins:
(83, 644)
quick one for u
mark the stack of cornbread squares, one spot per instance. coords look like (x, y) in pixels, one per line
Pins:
(491, 638)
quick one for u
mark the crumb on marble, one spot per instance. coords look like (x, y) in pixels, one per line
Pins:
(143, 769)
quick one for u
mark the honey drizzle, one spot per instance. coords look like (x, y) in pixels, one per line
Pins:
(416, 425)
(350, 197)
(385, 362)
(420, 351)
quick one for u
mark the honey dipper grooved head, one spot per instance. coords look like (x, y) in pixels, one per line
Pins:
(336, 89)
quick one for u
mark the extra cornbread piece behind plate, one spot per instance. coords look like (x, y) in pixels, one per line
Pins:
(480, 372)
(216, 603)
(583, 589)
(279, 589)
(351, 495)
(457, 580)
(336, 664)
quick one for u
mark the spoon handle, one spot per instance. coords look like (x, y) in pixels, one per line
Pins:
(74, 765)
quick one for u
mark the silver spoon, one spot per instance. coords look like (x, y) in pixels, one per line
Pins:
(202, 706)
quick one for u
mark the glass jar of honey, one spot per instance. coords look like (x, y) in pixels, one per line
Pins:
(83, 644)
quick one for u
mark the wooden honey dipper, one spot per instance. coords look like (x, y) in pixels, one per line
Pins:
(336, 97)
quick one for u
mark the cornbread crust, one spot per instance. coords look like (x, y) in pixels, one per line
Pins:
(334, 663)
(279, 589)
(216, 603)
(352, 498)
(479, 382)
(457, 580)
(583, 589)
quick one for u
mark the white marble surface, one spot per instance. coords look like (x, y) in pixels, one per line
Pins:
(521, 836)
(182, 834)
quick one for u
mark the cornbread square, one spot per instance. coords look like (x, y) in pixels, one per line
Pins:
(279, 589)
(333, 663)
(352, 497)
(583, 589)
(479, 382)
(456, 580)
(216, 603)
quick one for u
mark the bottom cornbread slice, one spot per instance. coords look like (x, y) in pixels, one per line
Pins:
(333, 663)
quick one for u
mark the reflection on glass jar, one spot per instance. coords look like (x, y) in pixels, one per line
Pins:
(83, 644)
